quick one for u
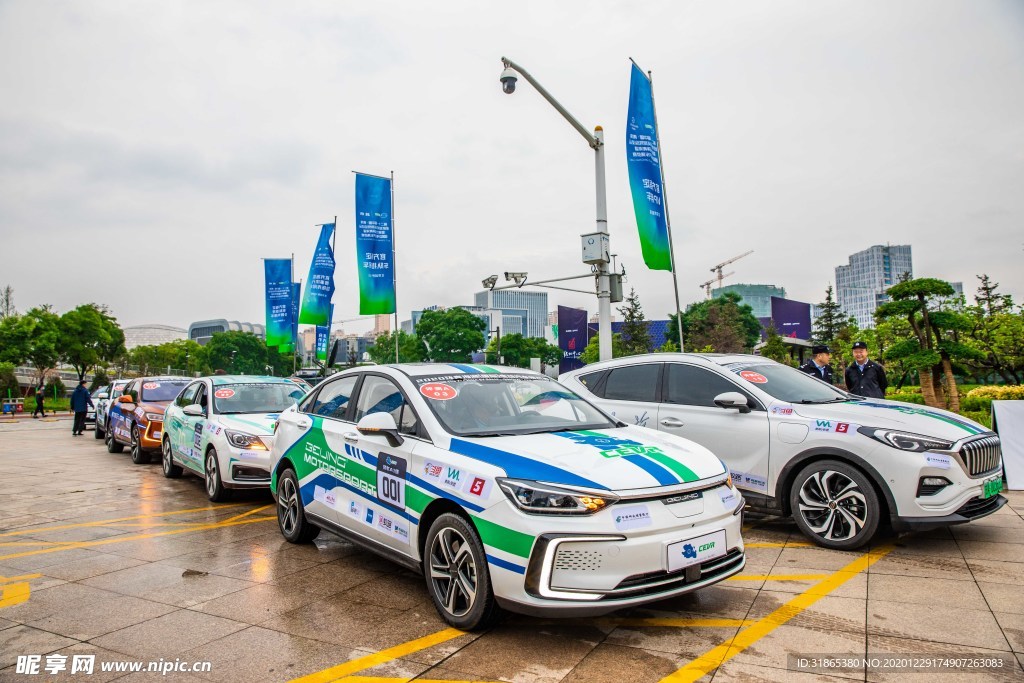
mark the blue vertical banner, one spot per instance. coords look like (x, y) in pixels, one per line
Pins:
(278, 278)
(316, 301)
(323, 337)
(572, 337)
(643, 159)
(375, 245)
(293, 340)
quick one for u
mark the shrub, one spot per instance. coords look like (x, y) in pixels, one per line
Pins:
(906, 397)
(1013, 392)
(55, 387)
(983, 417)
(8, 382)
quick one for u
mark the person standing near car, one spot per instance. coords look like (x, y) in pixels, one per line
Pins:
(819, 365)
(40, 399)
(80, 402)
(865, 377)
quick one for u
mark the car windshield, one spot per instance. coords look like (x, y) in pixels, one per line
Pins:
(157, 390)
(229, 399)
(786, 383)
(505, 404)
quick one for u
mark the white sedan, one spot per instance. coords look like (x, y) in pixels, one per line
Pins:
(505, 490)
(221, 428)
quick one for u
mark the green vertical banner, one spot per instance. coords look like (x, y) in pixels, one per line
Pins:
(643, 159)
(278, 287)
(375, 246)
(316, 302)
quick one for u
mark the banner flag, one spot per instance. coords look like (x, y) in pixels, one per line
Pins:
(375, 247)
(572, 337)
(278, 277)
(643, 159)
(323, 337)
(294, 328)
(316, 301)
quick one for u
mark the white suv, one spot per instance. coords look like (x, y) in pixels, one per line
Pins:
(797, 446)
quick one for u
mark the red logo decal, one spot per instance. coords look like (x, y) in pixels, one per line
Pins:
(224, 393)
(755, 377)
(842, 427)
(477, 487)
(438, 391)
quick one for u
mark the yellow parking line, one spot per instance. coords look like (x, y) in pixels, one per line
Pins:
(391, 679)
(246, 514)
(22, 577)
(779, 577)
(717, 656)
(135, 537)
(81, 525)
(13, 594)
(382, 657)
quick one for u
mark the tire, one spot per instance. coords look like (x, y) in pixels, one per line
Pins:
(215, 489)
(835, 505)
(171, 471)
(97, 433)
(457, 576)
(113, 445)
(139, 456)
(291, 516)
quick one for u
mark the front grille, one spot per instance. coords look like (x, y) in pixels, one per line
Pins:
(577, 560)
(662, 581)
(979, 507)
(982, 456)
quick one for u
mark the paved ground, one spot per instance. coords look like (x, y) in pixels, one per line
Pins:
(102, 557)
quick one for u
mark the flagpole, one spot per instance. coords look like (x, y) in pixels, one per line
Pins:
(394, 261)
(292, 327)
(668, 222)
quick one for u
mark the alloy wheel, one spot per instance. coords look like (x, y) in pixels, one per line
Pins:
(211, 475)
(288, 506)
(453, 572)
(832, 505)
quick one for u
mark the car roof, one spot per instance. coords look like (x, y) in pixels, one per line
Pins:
(219, 380)
(707, 358)
(426, 369)
(163, 378)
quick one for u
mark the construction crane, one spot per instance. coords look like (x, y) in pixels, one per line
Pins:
(707, 285)
(718, 269)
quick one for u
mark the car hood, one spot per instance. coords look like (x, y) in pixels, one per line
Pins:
(257, 424)
(152, 407)
(613, 459)
(880, 413)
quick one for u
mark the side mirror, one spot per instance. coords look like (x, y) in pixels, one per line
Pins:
(380, 424)
(125, 398)
(732, 399)
(193, 410)
(102, 394)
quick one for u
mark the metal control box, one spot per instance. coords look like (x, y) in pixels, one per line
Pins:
(595, 248)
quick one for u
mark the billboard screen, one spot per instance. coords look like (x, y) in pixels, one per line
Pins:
(792, 318)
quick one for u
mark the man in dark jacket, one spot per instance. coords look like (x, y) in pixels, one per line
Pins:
(865, 377)
(819, 366)
(80, 402)
(40, 398)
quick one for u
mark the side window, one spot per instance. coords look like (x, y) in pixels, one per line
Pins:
(633, 383)
(332, 401)
(592, 381)
(133, 390)
(689, 385)
(380, 395)
(201, 398)
(185, 397)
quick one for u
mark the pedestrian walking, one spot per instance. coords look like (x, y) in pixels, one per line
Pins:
(819, 365)
(865, 377)
(40, 399)
(80, 402)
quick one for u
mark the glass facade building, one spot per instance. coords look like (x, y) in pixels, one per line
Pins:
(861, 284)
(151, 335)
(758, 297)
(514, 303)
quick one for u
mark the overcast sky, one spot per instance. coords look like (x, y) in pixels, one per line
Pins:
(152, 152)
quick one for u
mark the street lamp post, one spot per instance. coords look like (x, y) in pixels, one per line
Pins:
(596, 141)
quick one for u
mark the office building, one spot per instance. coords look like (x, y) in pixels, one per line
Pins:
(758, 297)
(532, 306)
(152, 335)
(861, 284)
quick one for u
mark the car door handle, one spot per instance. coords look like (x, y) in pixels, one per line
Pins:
(303, 424)
(351, 437)
(671, 422)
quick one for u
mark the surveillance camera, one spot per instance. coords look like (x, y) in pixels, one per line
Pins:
(508, 80)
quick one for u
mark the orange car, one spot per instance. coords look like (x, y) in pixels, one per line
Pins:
(137, 417)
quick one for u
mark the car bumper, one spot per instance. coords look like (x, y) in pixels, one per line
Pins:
(246, 469)
(975, 508)
(150, 437)
(591, 566)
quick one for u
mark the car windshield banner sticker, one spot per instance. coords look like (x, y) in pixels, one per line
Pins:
(391, 480)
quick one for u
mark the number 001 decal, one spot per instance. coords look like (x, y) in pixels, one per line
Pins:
(391, 480)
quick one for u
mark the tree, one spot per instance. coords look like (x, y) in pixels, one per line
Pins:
(9, 387)
(830, 323)
(99, 379)
(89, 335)
(774, 348)
(517, 351)
(592, 353)
(997, 333)
(44, 340)
(933, 346)
(451, 335)
(181, 355)
(724, 323)
(636, 336)
(991, 301)
(15, 337)
(7, 302)
(245, 354)
(410, 348)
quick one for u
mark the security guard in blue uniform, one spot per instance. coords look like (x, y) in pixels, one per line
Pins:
(819, 366)
(865, 377)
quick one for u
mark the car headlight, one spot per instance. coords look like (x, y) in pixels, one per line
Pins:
(155, 417)
(247, 441)
(906, 441)
(544, 499)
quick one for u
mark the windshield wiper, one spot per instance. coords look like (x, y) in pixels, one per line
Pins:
(829, 400)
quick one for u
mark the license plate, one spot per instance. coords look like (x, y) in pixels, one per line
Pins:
(992, 487)
(696, 550)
